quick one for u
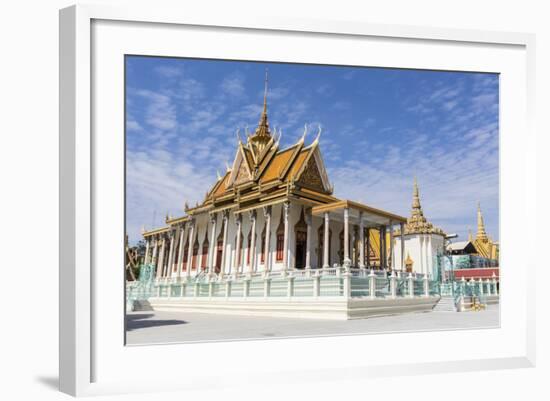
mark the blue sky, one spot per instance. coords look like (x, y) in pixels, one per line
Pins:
(380, 127)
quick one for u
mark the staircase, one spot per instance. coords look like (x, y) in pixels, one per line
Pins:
(141, 305)
(446, 304)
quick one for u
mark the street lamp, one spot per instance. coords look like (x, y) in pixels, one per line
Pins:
(447, 242)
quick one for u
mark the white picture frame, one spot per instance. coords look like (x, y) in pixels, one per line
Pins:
(89, 354)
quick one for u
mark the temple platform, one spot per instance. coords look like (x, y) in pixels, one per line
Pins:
(335, 308)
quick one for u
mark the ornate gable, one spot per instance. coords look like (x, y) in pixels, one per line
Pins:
(243, 174)
(311, 176)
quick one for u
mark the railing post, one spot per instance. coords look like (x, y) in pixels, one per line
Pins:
(393, 285)
(267, 285)
(426, 286)
(372, 284)
(480, 285)
(210, 286)
(290, 286)
(316, 284)
(347, 283)
(196, 290)
(228, 287)
(182, 288)
(488, 284)
(411, 285)
(246, 286)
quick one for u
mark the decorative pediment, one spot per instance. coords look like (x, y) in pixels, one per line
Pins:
(313, 174)
(243, 175)
(240, 171)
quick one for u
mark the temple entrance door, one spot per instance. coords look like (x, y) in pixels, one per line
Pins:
(219, 250)
(301, 238)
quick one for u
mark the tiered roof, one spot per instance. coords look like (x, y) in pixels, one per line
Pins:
(417, 223)
(262, 172)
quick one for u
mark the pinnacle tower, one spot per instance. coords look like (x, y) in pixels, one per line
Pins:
(417, 223)
(261, 138)
(481, 233)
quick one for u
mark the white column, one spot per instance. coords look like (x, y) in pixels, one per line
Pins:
(225, 224)
(326, 244)
(161, 257)
(267, 250)
(421, 240)
(213, 245)
(170, 266)
(402, 228)
(147, 246)
(190, 249)
(392, 256)
(155, 251)
(430, 255)
(286, 209)
(238, 245)
(367, 250)
(361, 241)
(180, 249)
(353, 254)
(382, 238)
(308, 239)
(252, 249)
(347, 261)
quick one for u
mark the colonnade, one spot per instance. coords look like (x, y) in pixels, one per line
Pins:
(161, 247)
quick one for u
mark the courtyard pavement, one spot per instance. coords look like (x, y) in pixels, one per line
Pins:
(175, 327)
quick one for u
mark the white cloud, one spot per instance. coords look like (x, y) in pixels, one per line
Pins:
(233, 85)
(168, 72)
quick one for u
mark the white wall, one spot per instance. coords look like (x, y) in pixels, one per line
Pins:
(422, 248)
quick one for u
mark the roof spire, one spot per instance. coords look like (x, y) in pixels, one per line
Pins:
(263, 125)
(481, 234)
(417, 223)
(265, 93)
(416, 208)
(262, 135)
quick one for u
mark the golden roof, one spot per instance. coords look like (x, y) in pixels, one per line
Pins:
(259, 162)
(263, 174)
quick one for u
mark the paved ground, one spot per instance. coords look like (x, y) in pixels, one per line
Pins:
(169, 327)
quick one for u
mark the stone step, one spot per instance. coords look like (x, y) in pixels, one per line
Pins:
(141, 305)
(445, 304)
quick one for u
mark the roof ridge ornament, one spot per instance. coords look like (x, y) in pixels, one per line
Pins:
(318, 137)
(304, 134)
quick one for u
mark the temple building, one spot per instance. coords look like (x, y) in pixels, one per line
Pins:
(274, 211)
(423, 242)
(484, 245)
(476, 258)
(271, 239)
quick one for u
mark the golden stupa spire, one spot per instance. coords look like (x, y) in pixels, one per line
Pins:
(470, 236)
(261, 139)
(416, 208)
(263, 125)
(417, 223)
(481, 234)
